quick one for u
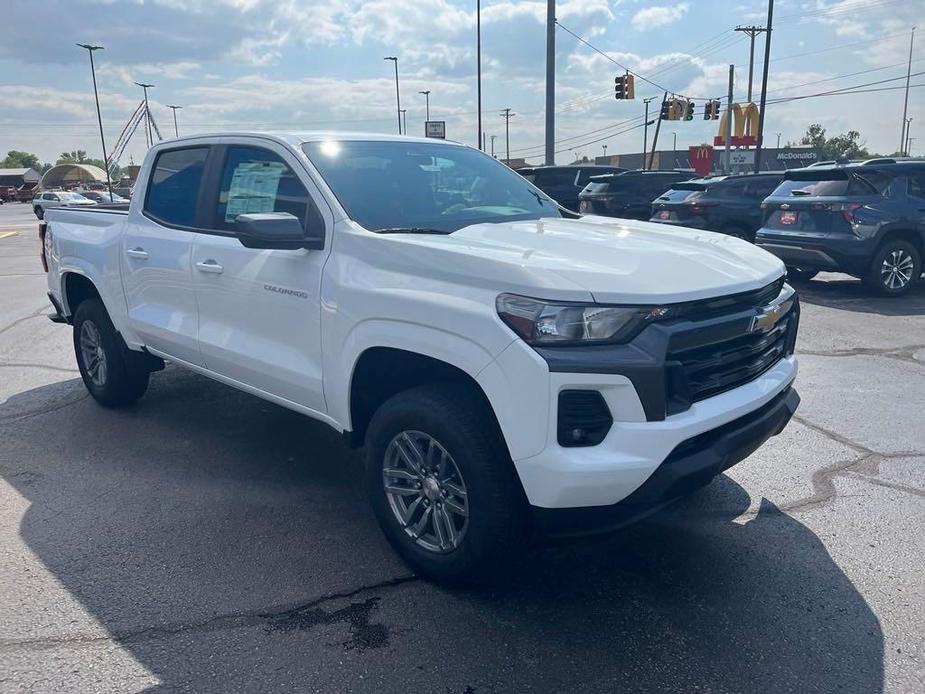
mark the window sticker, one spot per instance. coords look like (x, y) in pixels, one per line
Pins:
(253, 188)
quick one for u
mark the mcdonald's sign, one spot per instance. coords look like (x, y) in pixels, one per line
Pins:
(744, 126)
(701, 159)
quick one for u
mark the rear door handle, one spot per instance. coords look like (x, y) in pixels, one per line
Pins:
(209, 265)
(137, 252)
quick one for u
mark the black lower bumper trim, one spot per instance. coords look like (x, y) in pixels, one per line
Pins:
(692, 464)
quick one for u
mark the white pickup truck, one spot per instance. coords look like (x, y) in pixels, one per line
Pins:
(514, 370)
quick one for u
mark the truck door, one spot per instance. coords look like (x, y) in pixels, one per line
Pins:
(259, 310)
(156, 255)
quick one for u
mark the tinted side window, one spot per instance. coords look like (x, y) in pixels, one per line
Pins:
(173, 190)
(257, 180)
(730, 189)
(917, 186)
(555, 177)
(760, 188)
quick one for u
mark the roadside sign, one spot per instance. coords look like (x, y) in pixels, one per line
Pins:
(742, 157)
(435, 128)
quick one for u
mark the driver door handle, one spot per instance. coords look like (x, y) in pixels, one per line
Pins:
(209, 265)
(137, 252)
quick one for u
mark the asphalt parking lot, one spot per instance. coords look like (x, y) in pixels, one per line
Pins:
(205, 540)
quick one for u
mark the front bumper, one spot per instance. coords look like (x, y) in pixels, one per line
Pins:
(691, 464)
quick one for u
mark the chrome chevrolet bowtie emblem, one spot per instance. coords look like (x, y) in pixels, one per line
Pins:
(769, 315)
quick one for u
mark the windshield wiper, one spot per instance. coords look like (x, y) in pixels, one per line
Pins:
(410, 230)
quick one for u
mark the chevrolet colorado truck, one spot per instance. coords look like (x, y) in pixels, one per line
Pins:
(513, 370)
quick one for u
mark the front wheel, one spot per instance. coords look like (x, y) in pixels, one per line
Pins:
(895, 268)
(442, 484)
(112, 373)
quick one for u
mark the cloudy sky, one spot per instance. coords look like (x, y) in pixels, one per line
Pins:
(318, 64)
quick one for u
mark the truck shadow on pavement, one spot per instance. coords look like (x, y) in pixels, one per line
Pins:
(225, 544)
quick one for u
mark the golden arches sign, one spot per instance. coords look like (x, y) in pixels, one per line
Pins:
(744, 128)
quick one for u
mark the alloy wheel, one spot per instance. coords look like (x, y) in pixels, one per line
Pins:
(92, 353)
(426, 491)
(896, 269)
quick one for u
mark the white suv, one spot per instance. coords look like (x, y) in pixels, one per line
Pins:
(48, 199)
(512, 369)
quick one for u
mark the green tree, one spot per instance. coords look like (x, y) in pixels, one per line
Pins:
(77, 156)
(16, 159)
(845, 146)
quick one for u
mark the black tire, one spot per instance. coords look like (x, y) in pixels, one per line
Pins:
(496, 526)
(39, 212)
(798, 274)
(125, 374)
(894, 252)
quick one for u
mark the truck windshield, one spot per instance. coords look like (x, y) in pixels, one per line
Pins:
(390, 185)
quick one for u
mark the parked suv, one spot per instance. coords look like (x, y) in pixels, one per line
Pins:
(628, 195)
(866, 220)
(564, 183)
(728, 204)
(49, 199)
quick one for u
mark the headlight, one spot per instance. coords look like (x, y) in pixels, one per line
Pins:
(546, 322)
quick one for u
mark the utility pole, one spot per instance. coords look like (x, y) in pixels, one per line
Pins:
(176, 130)
(550, 158)
(764, 85)
(909, 141)
(507, 115)
(751, 32)
(658, 126)
(493, 145)
(145, 87)
(397, 94)
(478, 62)
(404, 120)
(906, 99)
(727, 135)
(645, 132)
(426, 94)
(96, 95)
(907, 123)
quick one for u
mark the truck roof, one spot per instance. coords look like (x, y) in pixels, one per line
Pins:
(299, 137)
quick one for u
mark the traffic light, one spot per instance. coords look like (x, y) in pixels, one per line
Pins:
(689, 110)
(711, 110)
(624, 87)
(666, 110)
(714, 115)
(619, 87)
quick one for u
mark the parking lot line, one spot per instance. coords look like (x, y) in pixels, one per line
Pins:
(6, 234)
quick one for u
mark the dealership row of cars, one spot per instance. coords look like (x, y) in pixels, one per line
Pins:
(865, 219)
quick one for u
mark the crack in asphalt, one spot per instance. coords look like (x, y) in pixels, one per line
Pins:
(35, 314)
(906, 353)
(22, 365)
(274, 618)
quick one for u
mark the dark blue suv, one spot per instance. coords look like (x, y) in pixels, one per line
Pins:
(865, 219)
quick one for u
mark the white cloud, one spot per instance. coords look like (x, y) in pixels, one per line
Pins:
(657, 16)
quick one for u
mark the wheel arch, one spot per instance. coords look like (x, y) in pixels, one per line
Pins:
(381, 372)
(77, 287)
(905, 234)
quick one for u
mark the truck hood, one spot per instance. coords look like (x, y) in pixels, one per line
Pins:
(612, 260)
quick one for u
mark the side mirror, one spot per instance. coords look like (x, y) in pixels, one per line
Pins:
(279, 230)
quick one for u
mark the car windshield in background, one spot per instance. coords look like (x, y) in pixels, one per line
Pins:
(596, 187)
(838, 184)
(394, 185)
(71, 196)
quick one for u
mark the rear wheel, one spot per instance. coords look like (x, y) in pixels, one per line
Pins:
(798, 274)
(442, 485)
(895, 268)
(112, 373)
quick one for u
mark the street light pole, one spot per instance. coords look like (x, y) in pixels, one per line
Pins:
(778, 140)
(404, 120)
(902, 141)
(394, 59)
(478, 66)
(769, 27)
(176, 130)
(426, 94)
(550, 139)
(90, 48)
(147, 113)
(493, 145)
(605, 151)
(645, 133)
